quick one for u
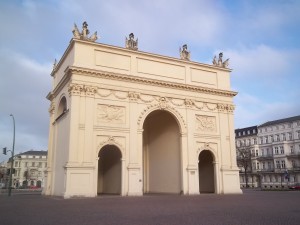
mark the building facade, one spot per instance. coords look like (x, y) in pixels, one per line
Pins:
(29, 169)
(275, 153)
(127, 122)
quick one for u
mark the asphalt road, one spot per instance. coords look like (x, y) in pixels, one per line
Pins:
(253, 207)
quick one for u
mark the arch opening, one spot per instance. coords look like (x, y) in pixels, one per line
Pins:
(62, 106)
(109, 170)
(206, 172)
(161, 153)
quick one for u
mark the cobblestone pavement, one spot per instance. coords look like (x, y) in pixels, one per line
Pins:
(253, 207)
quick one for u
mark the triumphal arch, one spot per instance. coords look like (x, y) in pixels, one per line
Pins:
(128, 122)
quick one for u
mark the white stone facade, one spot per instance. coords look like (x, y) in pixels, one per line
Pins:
(275, 161)
(30, 168)
(128, 122)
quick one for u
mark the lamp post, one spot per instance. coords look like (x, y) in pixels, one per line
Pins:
(12, 159)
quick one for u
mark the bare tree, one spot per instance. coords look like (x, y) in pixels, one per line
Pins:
(244, 161)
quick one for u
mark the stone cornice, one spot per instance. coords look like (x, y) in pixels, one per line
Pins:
(140, 80)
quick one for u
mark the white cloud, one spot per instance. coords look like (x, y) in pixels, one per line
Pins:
(23, 88)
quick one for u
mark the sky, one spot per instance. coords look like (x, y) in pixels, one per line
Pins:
(261, 38)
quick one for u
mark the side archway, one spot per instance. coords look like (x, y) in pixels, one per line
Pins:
(206, 172)
(109, 170)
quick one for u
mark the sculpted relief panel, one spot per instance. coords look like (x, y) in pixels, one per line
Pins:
(206, 123)
(110, 114)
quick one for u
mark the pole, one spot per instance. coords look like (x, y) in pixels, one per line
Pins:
(12, 159)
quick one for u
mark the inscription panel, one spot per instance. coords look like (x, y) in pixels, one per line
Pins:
(112, 60)
(160, 69)
(205, 77)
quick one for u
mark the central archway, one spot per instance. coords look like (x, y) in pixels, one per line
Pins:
(206, 172)
(161, 153)
(109, 170)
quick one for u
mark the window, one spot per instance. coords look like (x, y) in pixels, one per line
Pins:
(277, 164)
(16, 164)
(248, 132)
(282, 164)
(26, 164)
(292, 149)
(40, 164)
(262, 152)
(253, 166)
(254, 131)
(239, 134)
(244, 132)
(266, 139)
(298, 134)
(263, 165)
(269, 165)
(272, 138)
(265, 129)
(33, 163)
(290, 136)
(257, 165)
(261, 140)
(293, 163)
(276, 150)
(277, 137)
(283, 137)
(281, 150)
(255, 141)
(256, 153)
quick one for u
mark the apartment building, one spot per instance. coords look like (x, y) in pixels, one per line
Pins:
(29, 169)
(275, 154)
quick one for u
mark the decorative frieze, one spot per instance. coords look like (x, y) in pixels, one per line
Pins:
(226, 108)
(51, 109)
(110, 114)
(206, 123)
(133, 96)
(75, 89)
(157, 83)
(189, 103)
(90, 90)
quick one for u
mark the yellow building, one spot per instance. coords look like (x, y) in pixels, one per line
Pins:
(128, 122)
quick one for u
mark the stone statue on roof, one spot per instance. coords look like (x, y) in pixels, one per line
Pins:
(84, 34)
(131, 43)
(184, 53)
(220, 62)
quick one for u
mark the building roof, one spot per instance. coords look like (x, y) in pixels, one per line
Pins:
(34, 152)
(245, 130)
(285, 120)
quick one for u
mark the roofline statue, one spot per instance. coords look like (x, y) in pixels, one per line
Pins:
(220, 62)
(131, 43)
(83, 35)
(184, 53)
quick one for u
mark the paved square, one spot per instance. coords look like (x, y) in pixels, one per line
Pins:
(253, 207)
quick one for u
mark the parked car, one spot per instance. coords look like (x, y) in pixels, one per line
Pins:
(295, 186)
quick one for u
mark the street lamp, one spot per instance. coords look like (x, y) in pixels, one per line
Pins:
(12, 159)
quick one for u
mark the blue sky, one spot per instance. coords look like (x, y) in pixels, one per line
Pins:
(261, 38)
